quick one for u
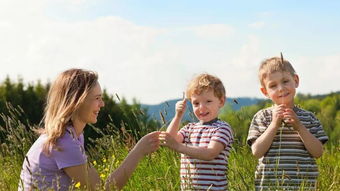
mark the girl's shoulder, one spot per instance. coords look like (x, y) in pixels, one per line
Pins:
(70, 137)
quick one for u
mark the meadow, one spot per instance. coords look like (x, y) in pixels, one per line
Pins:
(160, 170)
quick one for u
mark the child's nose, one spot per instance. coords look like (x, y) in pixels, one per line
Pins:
(281, 87)
(202, 106)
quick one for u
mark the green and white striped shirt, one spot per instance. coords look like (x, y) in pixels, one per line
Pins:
(287, 165)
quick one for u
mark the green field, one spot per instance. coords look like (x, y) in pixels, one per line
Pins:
(160, 171)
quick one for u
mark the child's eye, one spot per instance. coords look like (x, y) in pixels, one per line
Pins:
(285, 81)
(209, 101)
(272, 86)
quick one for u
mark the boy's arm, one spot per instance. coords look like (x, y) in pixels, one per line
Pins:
(264, 141)
(175, 123)
(312, 144)
(203, 153)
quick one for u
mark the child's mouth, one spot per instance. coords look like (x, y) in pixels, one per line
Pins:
(284, 95)
(204, 114)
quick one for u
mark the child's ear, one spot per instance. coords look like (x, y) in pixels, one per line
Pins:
(264, 91)
(222, 101)
(297, 80)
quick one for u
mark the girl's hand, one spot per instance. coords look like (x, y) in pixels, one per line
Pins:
(149, 143)
(167, 140)
(181, 107)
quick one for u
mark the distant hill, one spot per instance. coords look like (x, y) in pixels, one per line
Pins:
(167, 108)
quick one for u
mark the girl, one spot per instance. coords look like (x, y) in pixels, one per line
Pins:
(57, 158)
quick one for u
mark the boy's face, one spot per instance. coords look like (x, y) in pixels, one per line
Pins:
(280, 87)
(206, 105)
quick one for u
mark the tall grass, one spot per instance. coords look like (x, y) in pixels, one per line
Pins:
(159, 171)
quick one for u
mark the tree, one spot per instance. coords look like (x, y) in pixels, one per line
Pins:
(30, 101)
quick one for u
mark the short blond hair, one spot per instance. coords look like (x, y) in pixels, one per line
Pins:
(205, 82)
(274, 64)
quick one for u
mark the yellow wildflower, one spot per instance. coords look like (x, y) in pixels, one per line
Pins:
(77, 185)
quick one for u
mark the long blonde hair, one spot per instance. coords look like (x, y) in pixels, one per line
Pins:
(66, 94)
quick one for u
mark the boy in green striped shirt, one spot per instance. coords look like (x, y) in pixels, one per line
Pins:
(285, 138)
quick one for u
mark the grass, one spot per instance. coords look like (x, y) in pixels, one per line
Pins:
(159, 171)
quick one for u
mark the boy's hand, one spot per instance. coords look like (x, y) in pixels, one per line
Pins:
(278, 114)
(291, 118)
(167, 140)
(180, 107)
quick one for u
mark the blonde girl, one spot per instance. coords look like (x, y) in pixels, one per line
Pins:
(57, 159)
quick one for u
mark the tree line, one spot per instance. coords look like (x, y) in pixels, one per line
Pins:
(325, 107)
(131, 121)
(26, 103)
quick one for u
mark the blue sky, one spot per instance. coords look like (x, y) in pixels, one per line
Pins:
(149, 50)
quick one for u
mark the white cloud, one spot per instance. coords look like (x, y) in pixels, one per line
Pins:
(71, 2)
(213, 31)
(242, 71)
(41, 48)
(257, 25)
(249, 53)
(266, 14)
(130, 59)
(318, 74)
(147, 63)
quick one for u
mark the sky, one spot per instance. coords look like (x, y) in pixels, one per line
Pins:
(149, 50)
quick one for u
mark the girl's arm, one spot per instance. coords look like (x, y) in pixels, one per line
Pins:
(89, 178)
(148, 144)
(86, 175)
